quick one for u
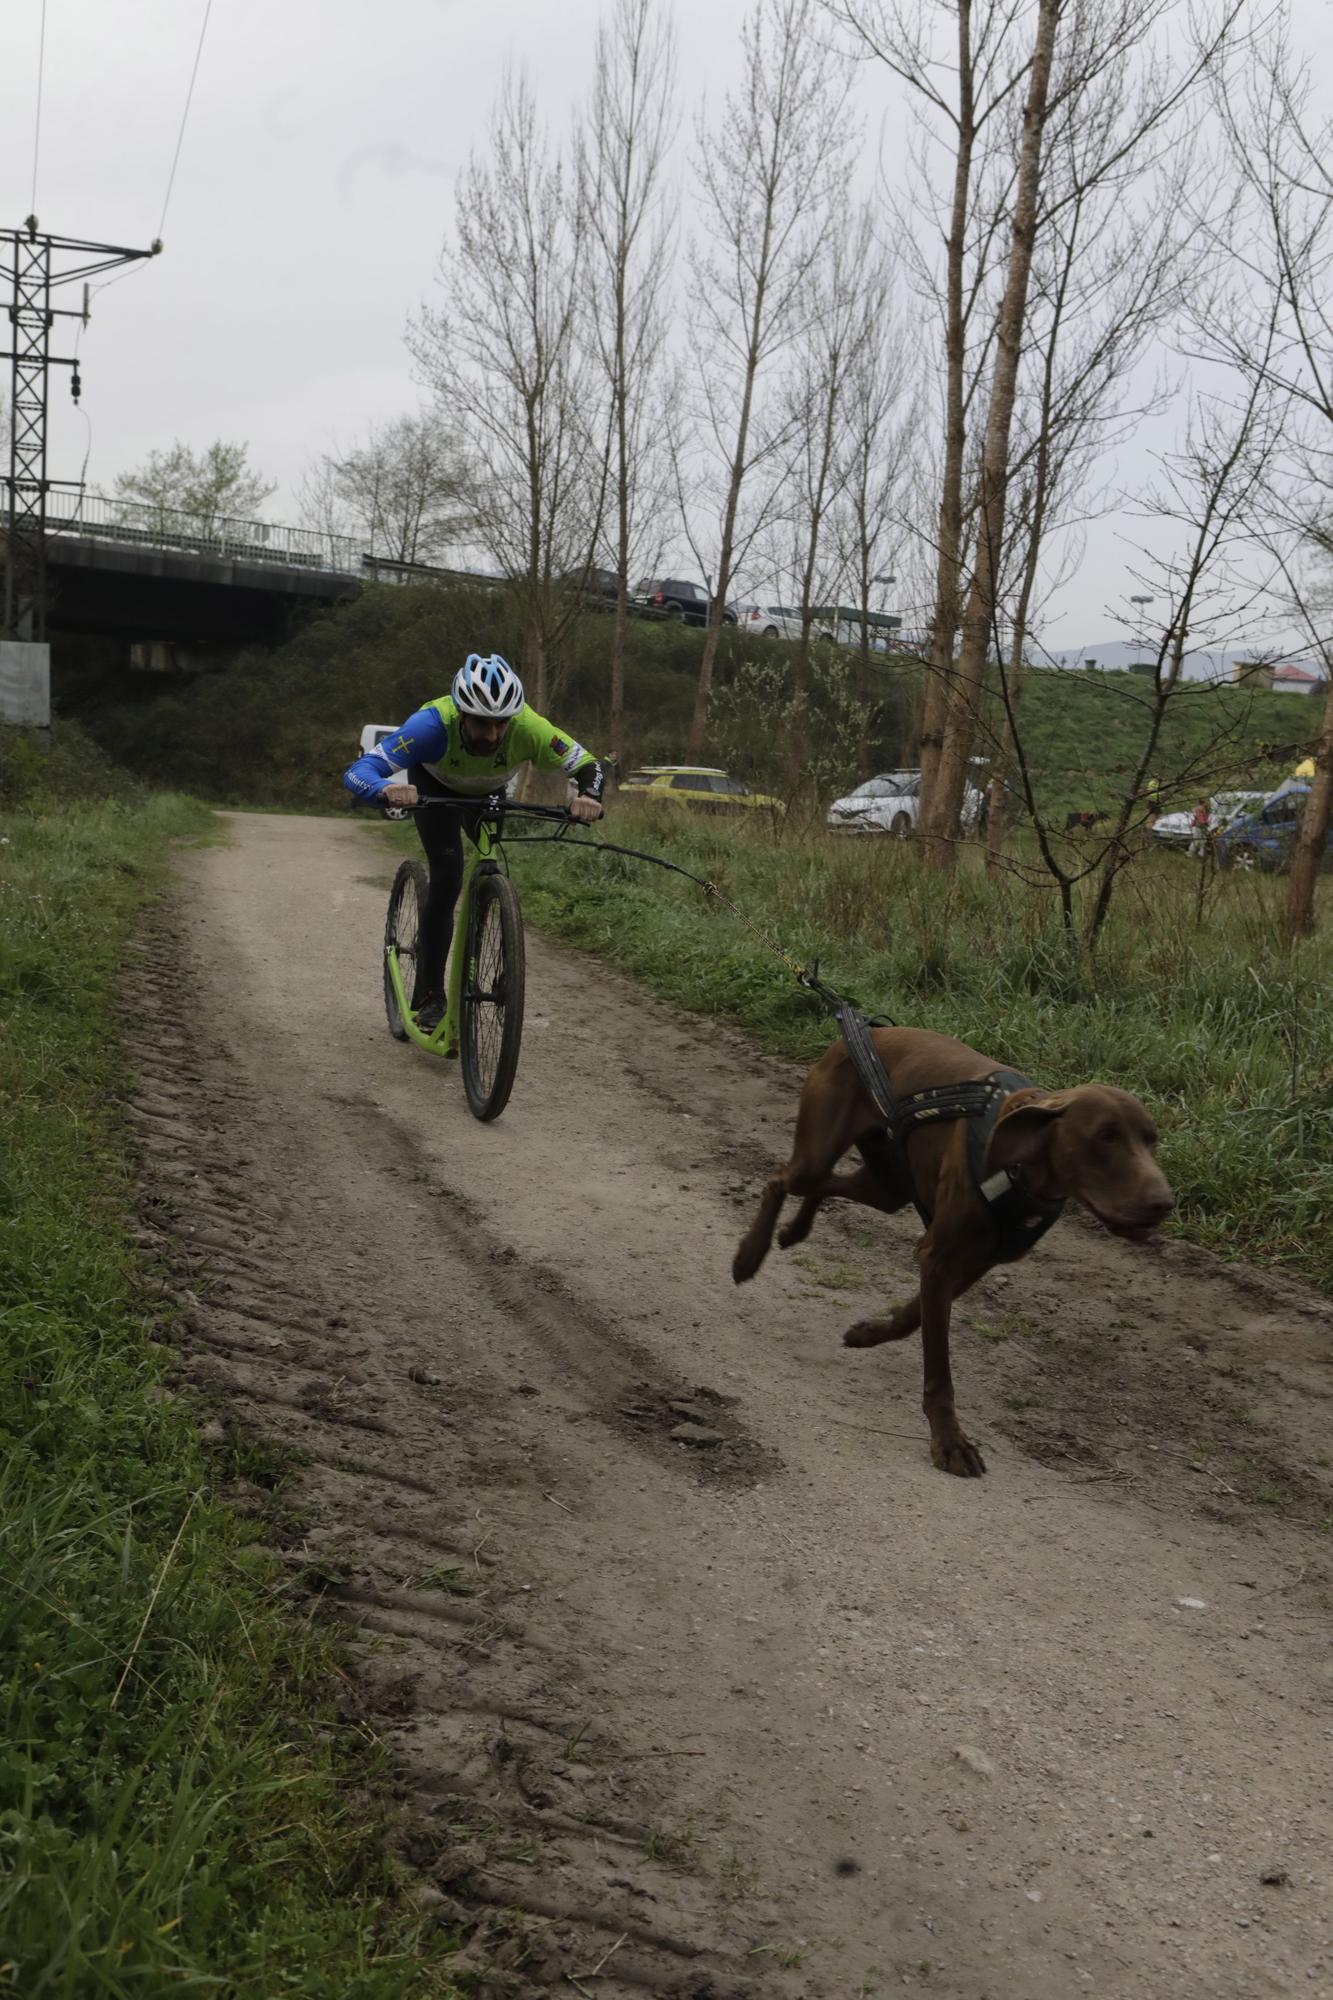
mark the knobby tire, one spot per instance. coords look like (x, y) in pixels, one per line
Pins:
(492, 1002)
(402, 927)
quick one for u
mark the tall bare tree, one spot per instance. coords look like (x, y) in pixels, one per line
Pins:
(1207, 581)
(503, 358)
(1076, 52)
(1281, 241)
(940, 812)
(1112, 272)
(408, 490)
(767, 170)
(962, 65)
(1309, 603)
(621, 160)
(839, 329)
(1197, 562)
(882, 417)
(1312, 843)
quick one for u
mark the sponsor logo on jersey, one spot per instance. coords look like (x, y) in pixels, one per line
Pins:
(560, 747)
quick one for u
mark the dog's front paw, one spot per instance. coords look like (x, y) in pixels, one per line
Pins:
(957, 1454)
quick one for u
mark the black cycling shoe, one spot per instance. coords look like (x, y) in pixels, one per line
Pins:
(430, 1013)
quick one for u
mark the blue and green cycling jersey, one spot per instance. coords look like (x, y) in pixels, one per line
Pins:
(432, 736)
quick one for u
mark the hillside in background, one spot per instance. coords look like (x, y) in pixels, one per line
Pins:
(1083, 732)
(280, 726)
(1219, 663)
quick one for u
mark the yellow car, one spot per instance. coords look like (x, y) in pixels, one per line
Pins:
(699, 786)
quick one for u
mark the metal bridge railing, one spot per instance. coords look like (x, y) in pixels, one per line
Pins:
(144, 525)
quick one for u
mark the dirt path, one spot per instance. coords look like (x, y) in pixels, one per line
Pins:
(789, 1713)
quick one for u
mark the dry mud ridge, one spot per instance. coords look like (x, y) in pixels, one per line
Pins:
(763, 1706)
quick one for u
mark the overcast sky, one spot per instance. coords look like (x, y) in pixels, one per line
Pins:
(314, 188)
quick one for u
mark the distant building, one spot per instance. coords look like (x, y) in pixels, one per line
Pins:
(1297, 680)
(1289, 679)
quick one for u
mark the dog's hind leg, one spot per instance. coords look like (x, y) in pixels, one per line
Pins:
(864, 1185)
(814, 1184)
(828, 1121)
(754, 1245)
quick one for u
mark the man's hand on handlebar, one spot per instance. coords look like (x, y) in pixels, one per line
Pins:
(397, 798)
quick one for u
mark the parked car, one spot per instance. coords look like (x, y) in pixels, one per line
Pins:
(374, 733)
(1174, 829)
(890, 802)
(839, 627)
(1264, 837)
(1177, 829)
(700, 786)
(775, 621)
(842, 624)
(675, 597)
(600, 586)
(885, 804)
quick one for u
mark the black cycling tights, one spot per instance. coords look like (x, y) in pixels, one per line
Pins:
(442, 837)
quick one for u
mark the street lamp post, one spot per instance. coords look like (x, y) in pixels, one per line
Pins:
(1138, 635)
(886, 580)
(1154, 800)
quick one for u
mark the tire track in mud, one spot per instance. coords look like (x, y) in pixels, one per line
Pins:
(622, 1382)
(559, 1603)
(533, 1834)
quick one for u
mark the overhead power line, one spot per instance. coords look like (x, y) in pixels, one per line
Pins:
(189, 96)
(37, 127)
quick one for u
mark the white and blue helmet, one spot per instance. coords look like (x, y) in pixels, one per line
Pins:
(487, 688)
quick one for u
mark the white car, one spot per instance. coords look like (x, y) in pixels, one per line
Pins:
(1174, 829)
(779, 621)
(889, 803)
(1177, 829)
(886, 804)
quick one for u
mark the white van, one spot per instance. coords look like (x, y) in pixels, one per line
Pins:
(374, 733)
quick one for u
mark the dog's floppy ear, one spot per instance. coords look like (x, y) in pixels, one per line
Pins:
(1023, 1126)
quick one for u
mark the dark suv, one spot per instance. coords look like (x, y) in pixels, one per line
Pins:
(674, 597)
(598, 586)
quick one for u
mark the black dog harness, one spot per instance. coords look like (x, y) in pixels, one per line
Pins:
(1021, 1217)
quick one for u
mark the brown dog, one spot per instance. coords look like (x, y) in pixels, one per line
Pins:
(1092, 1144)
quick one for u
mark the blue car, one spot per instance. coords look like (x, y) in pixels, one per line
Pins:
(1266, 837)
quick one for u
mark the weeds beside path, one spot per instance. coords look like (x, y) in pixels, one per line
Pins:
(1194, 1007)
(178, 1803)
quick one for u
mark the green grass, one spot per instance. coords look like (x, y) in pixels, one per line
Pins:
(1227, 1039)
(182, 1805)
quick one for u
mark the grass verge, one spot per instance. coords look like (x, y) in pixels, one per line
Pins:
(1190, 1002)
(180, 1804)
